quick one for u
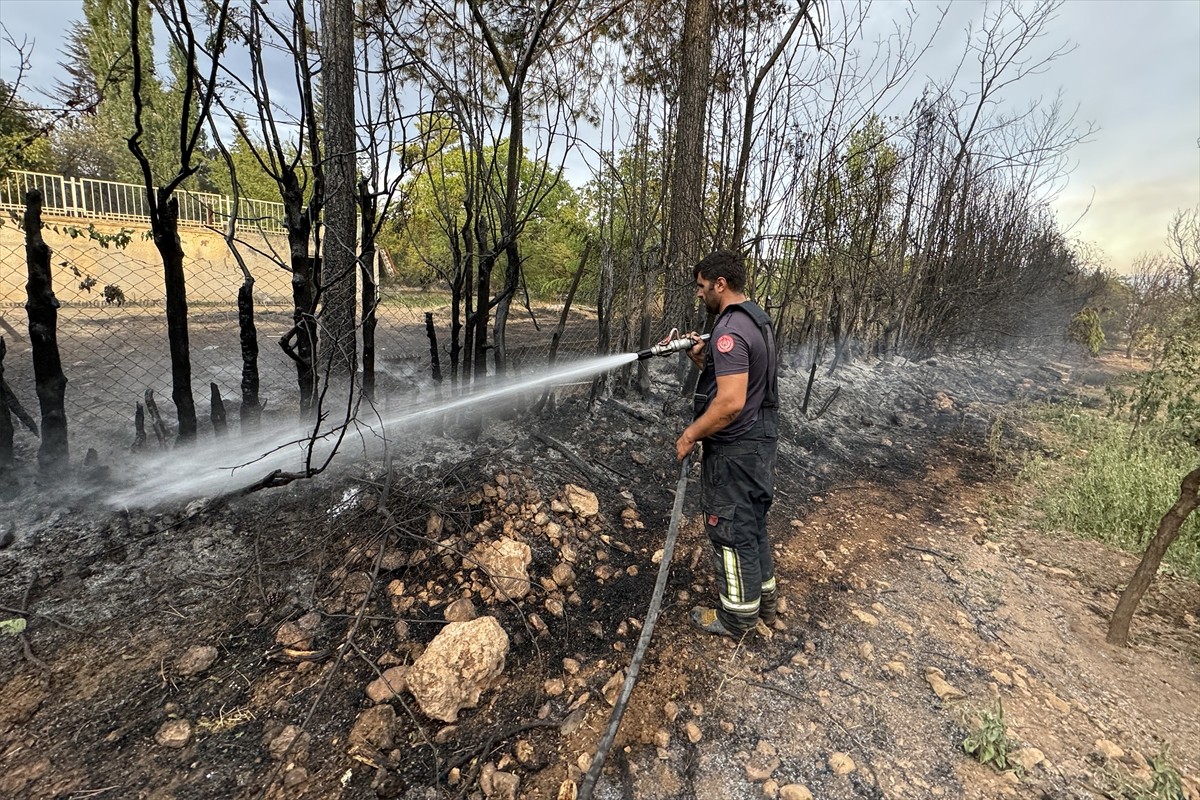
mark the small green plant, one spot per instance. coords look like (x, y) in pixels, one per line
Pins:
(1165, 782)
(988, 742)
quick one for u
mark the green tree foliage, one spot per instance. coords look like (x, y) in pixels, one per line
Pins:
(253, 181)
(22, 143)
(431, 216)
(100, 65)
(1165, 400)
(1085, 329)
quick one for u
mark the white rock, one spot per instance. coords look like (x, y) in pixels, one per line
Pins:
(841, 764)
(506, 562)
(795, 791)
(581, 501)
(174, 733)
(464, 660)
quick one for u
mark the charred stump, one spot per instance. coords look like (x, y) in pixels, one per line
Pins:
(42, 308)
(139, 429)
(156, 422)
(250, 412)
(6, 426)
(1168, 530)
(431, 334)
(216, 410)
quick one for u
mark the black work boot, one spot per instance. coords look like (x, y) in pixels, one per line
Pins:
(768, 606)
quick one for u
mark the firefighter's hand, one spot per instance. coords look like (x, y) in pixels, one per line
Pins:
(684, 445)
(696, 351)
(670, 337)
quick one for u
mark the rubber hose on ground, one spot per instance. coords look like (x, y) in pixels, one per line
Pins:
(660, 585)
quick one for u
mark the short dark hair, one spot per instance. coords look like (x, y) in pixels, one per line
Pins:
(725, 264)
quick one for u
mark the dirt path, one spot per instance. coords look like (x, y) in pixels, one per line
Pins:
(892, 567)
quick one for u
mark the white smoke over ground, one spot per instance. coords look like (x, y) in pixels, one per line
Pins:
(232, 464)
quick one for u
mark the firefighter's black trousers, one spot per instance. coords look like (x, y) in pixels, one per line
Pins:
(736, 486)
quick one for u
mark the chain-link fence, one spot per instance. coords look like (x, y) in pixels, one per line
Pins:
(112, 331)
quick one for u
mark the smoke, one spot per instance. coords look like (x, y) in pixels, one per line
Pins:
(231, 465)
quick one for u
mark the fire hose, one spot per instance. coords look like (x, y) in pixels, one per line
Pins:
(660, 585)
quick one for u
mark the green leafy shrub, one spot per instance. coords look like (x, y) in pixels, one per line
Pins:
(989, 742)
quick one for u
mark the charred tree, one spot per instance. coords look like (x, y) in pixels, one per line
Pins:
(42, 308)
(163, 206)
(250, 412)
(6, 426)
(1168, 530)
(165, 228)
(156, 421)
(367, 210)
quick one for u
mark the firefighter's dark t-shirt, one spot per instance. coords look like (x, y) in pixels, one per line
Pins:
(737, 346)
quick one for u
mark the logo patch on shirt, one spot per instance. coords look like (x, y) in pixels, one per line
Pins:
(725, 343)
(713, 519)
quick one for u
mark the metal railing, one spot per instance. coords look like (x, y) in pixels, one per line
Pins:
(89, 198)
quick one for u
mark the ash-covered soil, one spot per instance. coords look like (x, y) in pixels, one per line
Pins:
(223, 649)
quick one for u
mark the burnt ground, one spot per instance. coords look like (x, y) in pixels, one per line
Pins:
(900, 551)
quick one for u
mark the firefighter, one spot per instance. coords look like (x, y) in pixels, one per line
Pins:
(736, 418)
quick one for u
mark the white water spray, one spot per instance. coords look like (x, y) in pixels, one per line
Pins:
(232, 464)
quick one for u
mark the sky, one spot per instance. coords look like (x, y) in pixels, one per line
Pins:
(1134, 74)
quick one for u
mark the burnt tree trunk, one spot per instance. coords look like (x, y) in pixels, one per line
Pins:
(42, 308)
(482, 296)
(6, 426)
(685, 224)
(556, 337)
(339, 346)
(1168, 530)
(512, 276)
(165, 226)
(370, 286)
(250, 413)
(10, 400)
